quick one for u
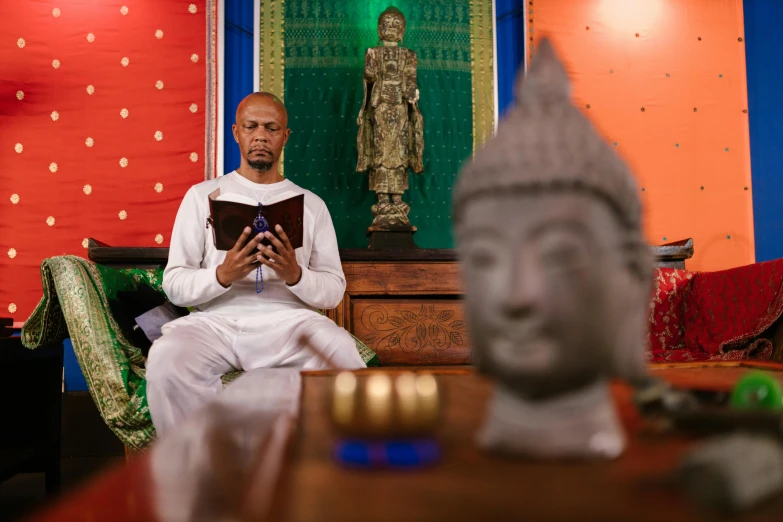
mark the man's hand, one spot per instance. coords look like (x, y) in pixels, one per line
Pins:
(284, 261)
(240, 260)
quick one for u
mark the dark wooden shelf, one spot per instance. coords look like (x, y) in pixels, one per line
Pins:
(419, 254)
(665, 255)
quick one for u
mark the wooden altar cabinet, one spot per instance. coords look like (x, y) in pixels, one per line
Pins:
(406, 305)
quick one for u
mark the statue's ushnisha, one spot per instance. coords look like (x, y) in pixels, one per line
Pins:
(556, 273)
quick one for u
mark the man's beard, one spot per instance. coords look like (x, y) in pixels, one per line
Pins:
(260, 165)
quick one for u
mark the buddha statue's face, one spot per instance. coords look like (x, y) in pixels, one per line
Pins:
(543, 276)
(391, 27)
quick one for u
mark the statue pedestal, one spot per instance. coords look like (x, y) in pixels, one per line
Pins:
(392, 238)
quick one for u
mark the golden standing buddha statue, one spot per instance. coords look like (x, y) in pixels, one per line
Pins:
(391, 128)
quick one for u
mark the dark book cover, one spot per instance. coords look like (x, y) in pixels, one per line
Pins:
(229, 219)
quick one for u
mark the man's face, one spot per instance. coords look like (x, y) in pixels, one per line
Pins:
(537, 272)
(391, 28)
(261, 132)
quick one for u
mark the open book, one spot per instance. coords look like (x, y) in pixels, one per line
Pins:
(229, 218)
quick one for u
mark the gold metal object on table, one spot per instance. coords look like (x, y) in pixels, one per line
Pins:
(381, 405)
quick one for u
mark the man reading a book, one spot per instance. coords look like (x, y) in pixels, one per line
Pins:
(253, 304)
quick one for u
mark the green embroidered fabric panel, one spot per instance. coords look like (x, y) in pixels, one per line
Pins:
(325, 42)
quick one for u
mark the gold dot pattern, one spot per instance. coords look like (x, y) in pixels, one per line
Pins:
(193, 157)
(57, 54)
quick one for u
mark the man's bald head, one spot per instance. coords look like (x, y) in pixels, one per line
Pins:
(261, 130)
(260, 98)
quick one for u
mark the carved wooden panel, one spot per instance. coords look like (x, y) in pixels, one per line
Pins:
(412, 331)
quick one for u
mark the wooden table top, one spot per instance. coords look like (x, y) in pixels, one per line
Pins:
(467, 484)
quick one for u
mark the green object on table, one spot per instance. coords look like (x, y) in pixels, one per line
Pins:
(757, 391)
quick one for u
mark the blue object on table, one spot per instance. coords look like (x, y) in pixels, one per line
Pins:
(387, 454)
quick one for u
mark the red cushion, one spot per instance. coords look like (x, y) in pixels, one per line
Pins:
(728, 309)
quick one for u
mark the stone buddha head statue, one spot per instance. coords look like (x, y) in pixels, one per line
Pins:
(554, 265)
(391, 25)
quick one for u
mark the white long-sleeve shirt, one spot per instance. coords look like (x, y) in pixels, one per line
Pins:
(190, 277)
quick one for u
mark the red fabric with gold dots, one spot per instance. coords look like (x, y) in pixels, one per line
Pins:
(102, 129)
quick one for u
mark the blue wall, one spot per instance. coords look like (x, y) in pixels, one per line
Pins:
(238, 70)
(510, 37)
(763, 48)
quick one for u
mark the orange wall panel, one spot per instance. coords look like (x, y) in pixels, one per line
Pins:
(664, 82)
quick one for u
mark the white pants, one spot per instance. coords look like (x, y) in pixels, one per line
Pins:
(185, 364)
